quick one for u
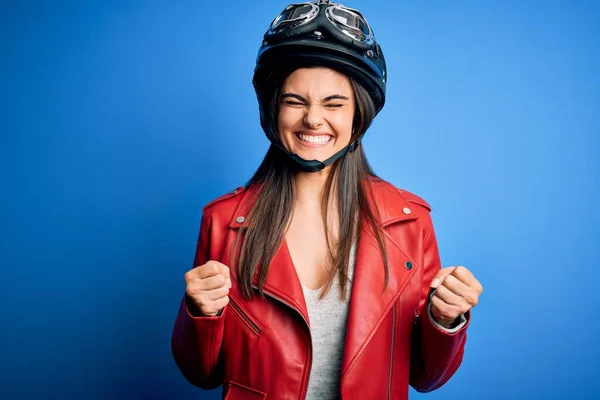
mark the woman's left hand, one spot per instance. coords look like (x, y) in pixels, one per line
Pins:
(456, 292)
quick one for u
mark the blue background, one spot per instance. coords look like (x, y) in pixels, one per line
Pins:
(120, 120)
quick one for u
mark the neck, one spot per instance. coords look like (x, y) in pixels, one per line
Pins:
(310, 187)
(310, 191)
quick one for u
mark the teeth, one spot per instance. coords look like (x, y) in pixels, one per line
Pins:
(320, 139)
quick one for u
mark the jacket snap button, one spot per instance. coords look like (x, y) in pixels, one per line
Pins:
(408, 265)
(406, 210)
(239, 220)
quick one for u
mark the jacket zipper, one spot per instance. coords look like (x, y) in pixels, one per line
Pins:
(251, 324)
(392, 351)
(308, 366)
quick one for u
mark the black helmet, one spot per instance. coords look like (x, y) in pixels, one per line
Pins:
(320, 33)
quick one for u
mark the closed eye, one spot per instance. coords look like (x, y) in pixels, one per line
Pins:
(293, 103)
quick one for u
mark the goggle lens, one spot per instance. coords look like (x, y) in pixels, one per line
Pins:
(294, 15)
(348, 21)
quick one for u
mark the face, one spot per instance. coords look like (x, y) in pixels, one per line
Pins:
(316, 112)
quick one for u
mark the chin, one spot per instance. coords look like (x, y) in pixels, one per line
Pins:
(314, 155)
(319, 154)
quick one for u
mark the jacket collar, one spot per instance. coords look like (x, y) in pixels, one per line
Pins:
(392, 206)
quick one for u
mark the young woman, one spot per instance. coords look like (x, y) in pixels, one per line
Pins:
(318, 279)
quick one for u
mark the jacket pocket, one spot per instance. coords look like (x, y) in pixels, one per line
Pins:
(249, 323)
(236, 391)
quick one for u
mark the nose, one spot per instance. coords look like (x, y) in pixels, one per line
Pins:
(313, 117)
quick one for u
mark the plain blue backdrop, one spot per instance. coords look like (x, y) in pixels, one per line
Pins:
(119, 120)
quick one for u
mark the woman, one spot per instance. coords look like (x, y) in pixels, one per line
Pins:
(318, 279)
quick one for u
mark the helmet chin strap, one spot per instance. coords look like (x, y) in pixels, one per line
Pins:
(315, 165)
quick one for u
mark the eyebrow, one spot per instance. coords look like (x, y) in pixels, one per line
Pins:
(335, 96)
(326, 99)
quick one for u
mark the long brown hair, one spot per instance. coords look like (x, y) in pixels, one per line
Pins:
(272, 211)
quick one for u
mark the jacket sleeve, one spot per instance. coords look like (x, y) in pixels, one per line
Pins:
(196, 340)
(436, 353)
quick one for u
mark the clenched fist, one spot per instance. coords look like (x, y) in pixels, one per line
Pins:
(207, 288)
(456, 292)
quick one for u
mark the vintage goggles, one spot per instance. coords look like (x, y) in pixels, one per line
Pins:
(348, 21)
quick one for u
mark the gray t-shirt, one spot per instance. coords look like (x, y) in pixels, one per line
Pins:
(328, 319)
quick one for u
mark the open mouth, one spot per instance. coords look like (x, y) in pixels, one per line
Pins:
(314, 140)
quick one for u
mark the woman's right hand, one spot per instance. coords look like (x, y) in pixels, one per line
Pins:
(207, 288)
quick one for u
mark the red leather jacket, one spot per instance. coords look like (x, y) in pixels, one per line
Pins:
(262, 348)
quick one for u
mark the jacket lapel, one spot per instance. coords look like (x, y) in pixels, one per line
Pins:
(368, 303)
(282, 281)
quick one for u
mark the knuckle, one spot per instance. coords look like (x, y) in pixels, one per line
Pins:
(450, 279)
(442, 289)
(220, 280)
(193, 282)
(211, 266)
(191, 289)
(194, 286)
(470, 298)
(222, 291)
(475, 299)
(441, 306)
